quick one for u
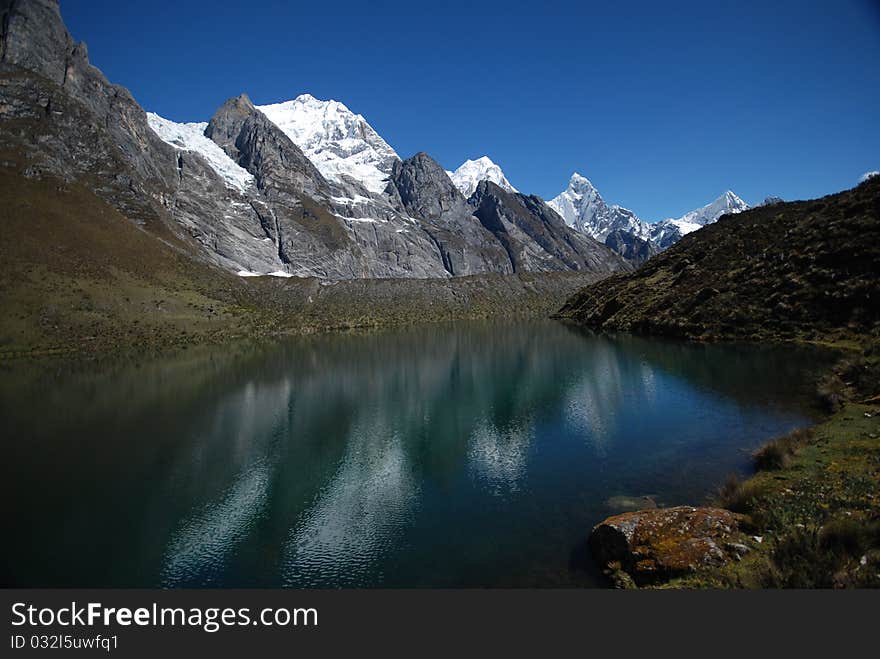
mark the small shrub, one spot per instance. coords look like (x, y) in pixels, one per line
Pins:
(798, 561)
(826, 557)
(850, 535)
(777, 453)
(729, 490)
(739, 495)
(832, 392)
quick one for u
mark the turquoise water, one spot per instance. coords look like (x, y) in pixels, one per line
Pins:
(474, 454)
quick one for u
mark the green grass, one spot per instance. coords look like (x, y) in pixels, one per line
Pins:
(818, 515)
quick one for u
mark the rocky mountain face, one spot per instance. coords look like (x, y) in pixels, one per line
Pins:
(633, 249)
(302, 188)
(471, 172)
(805, 270)
(426, 192)
(534, 235)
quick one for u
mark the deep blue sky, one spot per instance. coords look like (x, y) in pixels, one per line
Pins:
(663, 105)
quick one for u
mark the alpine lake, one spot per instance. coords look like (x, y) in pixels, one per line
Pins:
(474, 454)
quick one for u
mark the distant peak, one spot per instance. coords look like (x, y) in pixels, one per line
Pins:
(732, 199)
(308, 99)
(579, 181)
(472, 172)
(482, 163)
(242, 101)
(340, 143)
(313, 103)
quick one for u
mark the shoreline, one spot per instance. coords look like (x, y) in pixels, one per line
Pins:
(812, 499)
(164, 343)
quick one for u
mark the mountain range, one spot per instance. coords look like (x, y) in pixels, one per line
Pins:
(351, 155)
(583, 208)
(303, 187)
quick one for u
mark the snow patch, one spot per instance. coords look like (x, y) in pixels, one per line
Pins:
(277, 273)
(369, 220)
(350, 201)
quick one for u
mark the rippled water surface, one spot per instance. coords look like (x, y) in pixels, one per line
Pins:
(475, 454)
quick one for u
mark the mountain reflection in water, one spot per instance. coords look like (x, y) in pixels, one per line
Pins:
(473, 454)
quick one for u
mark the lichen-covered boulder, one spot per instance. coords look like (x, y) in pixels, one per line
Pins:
(659, 544)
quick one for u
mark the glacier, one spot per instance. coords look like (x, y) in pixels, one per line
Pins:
(191, 137)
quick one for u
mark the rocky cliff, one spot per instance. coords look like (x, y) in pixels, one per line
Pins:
(634, 249)
(535, 236)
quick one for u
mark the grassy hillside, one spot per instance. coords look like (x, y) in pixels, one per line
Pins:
(804, 270)
(75, 275)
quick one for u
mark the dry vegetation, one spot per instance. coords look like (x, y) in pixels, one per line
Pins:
(805, 271)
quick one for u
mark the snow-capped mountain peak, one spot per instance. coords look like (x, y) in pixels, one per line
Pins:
(666, 232)
(340, 143)
(583, 208)
(726, 204)
(467, 177)
(580, 182)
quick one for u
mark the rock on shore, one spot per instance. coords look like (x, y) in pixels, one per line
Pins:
(655, 545)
